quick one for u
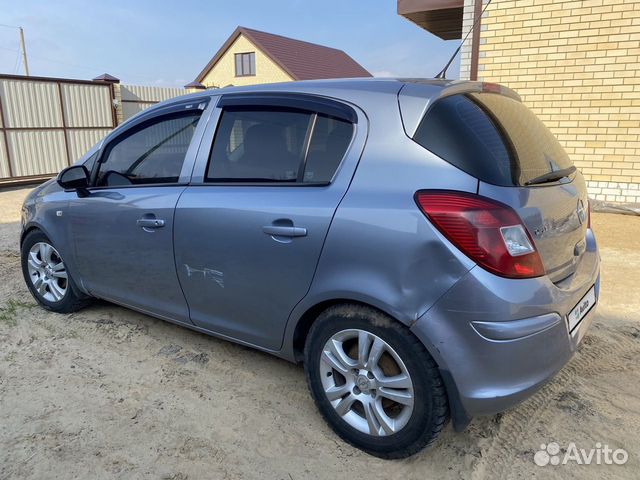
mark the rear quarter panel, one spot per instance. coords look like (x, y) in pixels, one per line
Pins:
(380, 249)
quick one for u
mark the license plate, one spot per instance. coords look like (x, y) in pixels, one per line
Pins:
(582, 308)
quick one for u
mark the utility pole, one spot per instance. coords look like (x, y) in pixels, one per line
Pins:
(24, 52)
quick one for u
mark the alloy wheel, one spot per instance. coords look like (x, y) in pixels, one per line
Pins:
(47, 272)
(366, 382)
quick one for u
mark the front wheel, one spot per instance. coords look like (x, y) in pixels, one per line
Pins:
(47, 276)
(374, 382)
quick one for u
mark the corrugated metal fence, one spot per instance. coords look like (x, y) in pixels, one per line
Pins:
(136, 98)
(46, 124)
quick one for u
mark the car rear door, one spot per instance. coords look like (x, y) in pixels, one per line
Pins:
(250, 228)
(123, 228)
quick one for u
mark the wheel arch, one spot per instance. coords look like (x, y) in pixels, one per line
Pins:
(311, 314)
(63, 249)
(30, 228)
(300, 331)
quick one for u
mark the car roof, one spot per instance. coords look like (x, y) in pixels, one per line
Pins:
(417, 93)
(364, 84)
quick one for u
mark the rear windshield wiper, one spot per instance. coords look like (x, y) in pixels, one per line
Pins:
(551, 176)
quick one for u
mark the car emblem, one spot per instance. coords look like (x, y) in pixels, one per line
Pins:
(362, 382)
(581, 211)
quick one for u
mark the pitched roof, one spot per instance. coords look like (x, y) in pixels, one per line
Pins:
(301, 60)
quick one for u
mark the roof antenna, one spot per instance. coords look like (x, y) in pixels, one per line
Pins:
(443, 72)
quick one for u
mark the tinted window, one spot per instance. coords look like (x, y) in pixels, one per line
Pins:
(456, 129)
(492, 137)
(151, 153)
(270, 144)
(90, 162)
(331, 137)
(536, 148)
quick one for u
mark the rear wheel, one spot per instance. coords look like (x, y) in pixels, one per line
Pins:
(47, 276)
(374, 382)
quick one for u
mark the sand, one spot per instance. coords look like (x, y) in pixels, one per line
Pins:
(110, 393)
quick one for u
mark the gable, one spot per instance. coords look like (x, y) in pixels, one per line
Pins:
(222, 73)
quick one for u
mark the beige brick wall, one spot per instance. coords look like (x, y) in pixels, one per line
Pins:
(465, 51)
(223, 73)
(576, 63)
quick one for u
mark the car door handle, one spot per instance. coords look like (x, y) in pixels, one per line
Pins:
(150, 223)
(282, 231)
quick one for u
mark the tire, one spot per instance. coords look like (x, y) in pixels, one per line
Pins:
(409, 424)
(47, 277)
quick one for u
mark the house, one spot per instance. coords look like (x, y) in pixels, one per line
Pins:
(575, 63)
(250, 57)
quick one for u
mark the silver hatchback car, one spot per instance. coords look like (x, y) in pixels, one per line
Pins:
(423, 246)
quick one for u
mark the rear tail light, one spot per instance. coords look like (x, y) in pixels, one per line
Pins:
(488, 232)
(588, 213)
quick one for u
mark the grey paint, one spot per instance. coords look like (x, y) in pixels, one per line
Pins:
(213, 268)
(515, 329)
(120, 261)
(550, 214)
(259, 278)
(492, 375)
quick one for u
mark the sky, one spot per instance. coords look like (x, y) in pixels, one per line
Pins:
(167, 43)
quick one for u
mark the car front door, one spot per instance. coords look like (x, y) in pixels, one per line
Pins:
(250, 228)
(123, 228)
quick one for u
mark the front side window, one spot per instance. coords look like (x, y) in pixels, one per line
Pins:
(245, 64)
(149, 154)
(91, 161)
(277, 145)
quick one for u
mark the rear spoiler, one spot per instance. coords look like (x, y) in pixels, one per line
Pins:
(415, 97)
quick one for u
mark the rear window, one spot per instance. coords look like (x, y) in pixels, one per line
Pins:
(492, 137)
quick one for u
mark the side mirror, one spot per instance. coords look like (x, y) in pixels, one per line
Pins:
(76, 178)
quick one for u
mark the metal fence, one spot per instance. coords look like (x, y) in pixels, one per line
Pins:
(136, 98)
(46, 123)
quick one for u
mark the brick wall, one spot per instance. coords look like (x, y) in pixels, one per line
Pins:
(465, 51)
(576, 64)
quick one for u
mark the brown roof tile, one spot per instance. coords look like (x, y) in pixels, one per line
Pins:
(301, 60)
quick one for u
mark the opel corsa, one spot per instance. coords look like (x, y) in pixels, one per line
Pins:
(422, 246)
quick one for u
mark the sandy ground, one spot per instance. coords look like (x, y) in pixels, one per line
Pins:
(109, 393)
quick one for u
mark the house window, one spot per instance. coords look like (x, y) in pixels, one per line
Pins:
(245, 64)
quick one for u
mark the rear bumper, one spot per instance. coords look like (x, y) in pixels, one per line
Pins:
(499, 340)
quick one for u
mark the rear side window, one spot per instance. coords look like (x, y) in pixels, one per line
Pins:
(330, 140)
(277, 145)
(457, 130)
(492, 137)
